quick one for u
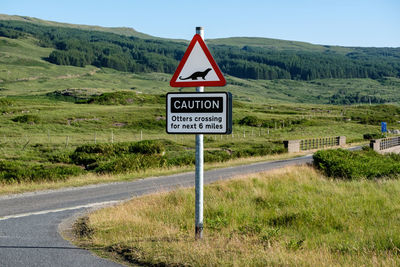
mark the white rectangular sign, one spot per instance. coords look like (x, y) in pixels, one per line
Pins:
(199, 113)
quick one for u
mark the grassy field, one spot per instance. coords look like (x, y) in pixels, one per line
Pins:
(291, 216)
(81, 123)
(48, 111)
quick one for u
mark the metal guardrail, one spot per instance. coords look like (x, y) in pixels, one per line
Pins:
(317, 143)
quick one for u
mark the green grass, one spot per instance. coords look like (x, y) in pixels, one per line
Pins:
(292, 216)
(59, 108)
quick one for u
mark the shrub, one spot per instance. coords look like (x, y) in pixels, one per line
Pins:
(216, 156)
(131, 163)
(59, 157)
(259, 150)
(125, 98)
(97, 156)
(250, 121)
(147, 147)
(370, 136)
(16, 171)
(5, 102)
(340, 163)
(181, 159)
(31, 119)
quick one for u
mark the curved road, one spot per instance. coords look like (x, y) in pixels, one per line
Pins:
(29, 222)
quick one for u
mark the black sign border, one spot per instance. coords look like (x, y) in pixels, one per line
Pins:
(228, 112)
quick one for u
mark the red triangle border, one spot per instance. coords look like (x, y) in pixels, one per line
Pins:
(221, 82)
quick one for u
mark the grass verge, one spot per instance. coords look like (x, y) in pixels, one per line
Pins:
(290, 216)
(93, 178)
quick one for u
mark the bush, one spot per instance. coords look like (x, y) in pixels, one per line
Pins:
(216, 156)
(147, 147)
(97, 156)
(259, 150)
(125, 98)
(181, 159)
(15, 171)
(250, 121)
(131, 163)
(58, 157)
(5, 102)
(30, 119)
(370, 136)
(340, 163)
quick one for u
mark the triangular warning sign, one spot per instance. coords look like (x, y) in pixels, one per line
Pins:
(197, 67)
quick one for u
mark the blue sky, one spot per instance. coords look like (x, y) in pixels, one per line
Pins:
(330, 22)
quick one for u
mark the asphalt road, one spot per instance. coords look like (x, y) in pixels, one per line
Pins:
(29, 222)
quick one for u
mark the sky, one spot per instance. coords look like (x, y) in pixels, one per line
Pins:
(328, 22)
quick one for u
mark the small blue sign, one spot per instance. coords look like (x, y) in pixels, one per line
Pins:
(383, 127)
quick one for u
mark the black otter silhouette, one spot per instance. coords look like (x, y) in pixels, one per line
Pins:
(196, 75)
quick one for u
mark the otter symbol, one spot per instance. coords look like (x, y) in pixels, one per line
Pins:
(196, 75)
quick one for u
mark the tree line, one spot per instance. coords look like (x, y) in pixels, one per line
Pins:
(78, 47)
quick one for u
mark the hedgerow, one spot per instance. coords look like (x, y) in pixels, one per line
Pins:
(367, 163)
(16, 172)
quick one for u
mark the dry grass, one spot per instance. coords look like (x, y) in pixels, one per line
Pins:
(291, 216)
(91, 178)
(86, 179)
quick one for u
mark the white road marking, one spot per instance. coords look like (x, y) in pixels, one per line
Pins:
(92, 205)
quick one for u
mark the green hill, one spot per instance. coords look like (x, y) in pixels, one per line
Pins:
(276, 44)
(118, 30)
(249, 58)
(30, 47)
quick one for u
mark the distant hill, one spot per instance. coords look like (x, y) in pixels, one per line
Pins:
(276, 44)
(125, 49)
(25, 72)
(117, 30)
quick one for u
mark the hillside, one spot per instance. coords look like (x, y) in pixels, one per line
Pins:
(117, 30)
(276, 44)
(249, 58)
(55, 116)
(38, 58)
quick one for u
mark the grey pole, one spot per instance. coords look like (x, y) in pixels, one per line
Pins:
(199, 177)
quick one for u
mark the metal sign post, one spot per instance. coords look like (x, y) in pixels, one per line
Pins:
(198, 113)
(199, 176)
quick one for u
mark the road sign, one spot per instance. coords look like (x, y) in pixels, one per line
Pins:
(383, 127)
(197, 67)
(199, 113)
